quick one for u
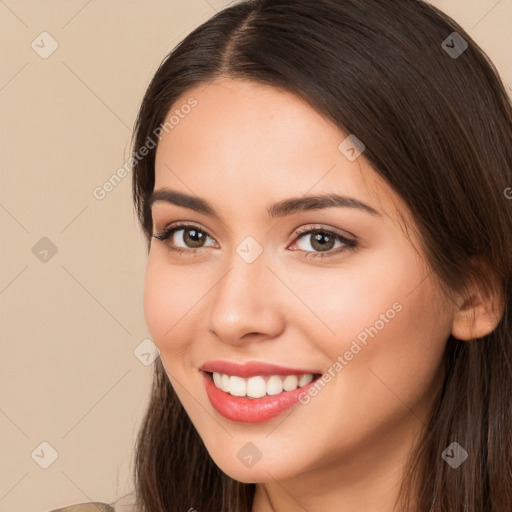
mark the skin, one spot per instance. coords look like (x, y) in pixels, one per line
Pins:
(243, 147)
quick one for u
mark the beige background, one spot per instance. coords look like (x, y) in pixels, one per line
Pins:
(70, 325)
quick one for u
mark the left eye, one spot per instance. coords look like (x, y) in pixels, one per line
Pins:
(322, 241)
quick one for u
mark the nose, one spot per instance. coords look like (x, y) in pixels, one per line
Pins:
(246, 303)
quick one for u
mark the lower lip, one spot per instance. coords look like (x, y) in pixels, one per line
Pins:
(251, 410)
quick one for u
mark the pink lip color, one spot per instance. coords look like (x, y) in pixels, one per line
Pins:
(250, 410)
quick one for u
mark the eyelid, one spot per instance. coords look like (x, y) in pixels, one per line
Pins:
(319, 227)
(164, 233)
(350, 241)
(298, 231)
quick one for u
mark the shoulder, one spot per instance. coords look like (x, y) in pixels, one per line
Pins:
(125, 503)
(86, 507)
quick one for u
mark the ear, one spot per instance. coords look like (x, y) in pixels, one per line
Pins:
(477, 313)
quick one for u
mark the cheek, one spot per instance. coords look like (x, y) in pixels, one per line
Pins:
(169, 302)
(392, 350)
(382, 314)
(369, 289)
(156, 308)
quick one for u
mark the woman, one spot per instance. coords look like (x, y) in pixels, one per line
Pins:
(324, 188)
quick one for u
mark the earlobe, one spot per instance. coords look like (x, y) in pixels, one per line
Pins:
(477, 316)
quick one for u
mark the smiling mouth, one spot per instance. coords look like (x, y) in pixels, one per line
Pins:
(261, 385)
(237, 404)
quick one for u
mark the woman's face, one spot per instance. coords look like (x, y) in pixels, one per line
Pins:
(249, 287)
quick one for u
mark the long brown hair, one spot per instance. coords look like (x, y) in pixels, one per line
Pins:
(437, 127)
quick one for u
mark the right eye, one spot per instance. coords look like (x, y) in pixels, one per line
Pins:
(192, 237)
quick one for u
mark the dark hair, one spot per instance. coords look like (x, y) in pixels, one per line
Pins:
(437, 128)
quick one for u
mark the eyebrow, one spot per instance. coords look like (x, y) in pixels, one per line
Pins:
(279, 209)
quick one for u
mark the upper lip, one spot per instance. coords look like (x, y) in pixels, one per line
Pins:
(252, 368)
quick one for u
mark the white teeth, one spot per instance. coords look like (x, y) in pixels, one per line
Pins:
(224, 383)
(237, 386)
(275, 385)
(305, 379)
(257, 387)
(290, 383)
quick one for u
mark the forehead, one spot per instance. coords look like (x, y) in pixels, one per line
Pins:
(243, 142)
(238, 121)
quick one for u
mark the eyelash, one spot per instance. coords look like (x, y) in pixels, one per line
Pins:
(167, 232)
